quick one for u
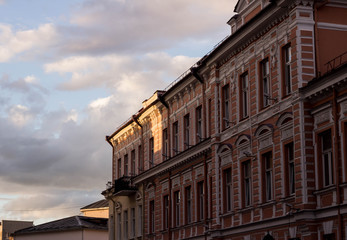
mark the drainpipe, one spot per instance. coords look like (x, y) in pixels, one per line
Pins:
(169, 220)
(217, 132)
(336, 159)
(143, 211)
(205, 197)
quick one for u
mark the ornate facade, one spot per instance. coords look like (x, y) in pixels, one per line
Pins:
(249, 143)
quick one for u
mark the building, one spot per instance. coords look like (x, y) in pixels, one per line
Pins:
(71, 228)
(250, 142)
(7, 227)
(92, 225)
(97, 209)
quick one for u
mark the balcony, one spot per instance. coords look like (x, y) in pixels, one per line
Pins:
(336, 62)
(120, 187)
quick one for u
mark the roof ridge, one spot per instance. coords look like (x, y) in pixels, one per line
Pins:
(78, 220)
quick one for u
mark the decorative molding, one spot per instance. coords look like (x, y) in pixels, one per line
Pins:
(199, 171)
(265, 141)
(287, 132)
(138, 196)
(292, 231)
(175, 181)
(343, 107)
(165, 186)
(151, 194)
(328, 227)
(187, 177)
(323, 116)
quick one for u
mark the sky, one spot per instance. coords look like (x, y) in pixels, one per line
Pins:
(72, 71)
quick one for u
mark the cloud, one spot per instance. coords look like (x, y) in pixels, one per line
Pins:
(17, 43)
(47, 206)
(120, 72)
(19, 115)
(22, 97)
(143, 25)
(57, 158)
(100, 27)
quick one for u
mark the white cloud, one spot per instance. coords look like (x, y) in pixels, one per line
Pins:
(104, 26)
(30, 79)
(100, 103)
(14, 43)
(20, 115)
(120, 72)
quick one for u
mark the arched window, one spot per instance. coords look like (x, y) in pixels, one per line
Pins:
(285, 125)
(265, 143)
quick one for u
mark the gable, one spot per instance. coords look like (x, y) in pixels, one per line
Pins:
(246, 6)
(241, 4)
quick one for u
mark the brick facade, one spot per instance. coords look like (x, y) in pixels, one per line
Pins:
(250, 143)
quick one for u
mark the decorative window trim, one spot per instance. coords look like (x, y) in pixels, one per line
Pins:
(286, 128)
(138, 196)
(225, 154)
(118, 207)
(264, 139)
(243, 144)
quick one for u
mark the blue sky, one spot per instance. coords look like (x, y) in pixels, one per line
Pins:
(71, 71)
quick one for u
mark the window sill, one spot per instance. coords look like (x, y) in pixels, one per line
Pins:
(243, 118)
(325, 190)
(288, 198)
(245, 209)
(228, 214)
(266, 204)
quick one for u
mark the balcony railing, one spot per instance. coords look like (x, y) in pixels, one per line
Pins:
(336, 62)
(122, 186)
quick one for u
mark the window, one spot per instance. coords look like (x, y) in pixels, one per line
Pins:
(227, 190)
(177, 199)
(132, 222)
(326, 155)
(330, 236)
(140, 159)
(132, 162)
(198, 117)
(151, 151)
(165, 145)
(125, 224)
(151, 217)
(126, 164)
(200, 193)
(119, 227)
(139, 220)
(265, 83)
(166, 211)
(286, 60)
(119, 168)
(267, 175)
(246, 183)
(186, 131)
(175, 137)
(289, 158)
(225, 106)
(188, 204)
(244, 95)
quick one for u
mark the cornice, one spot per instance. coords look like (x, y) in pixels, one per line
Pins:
(192, 153)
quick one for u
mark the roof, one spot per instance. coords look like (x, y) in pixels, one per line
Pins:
(99, 204)
(67, 224)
